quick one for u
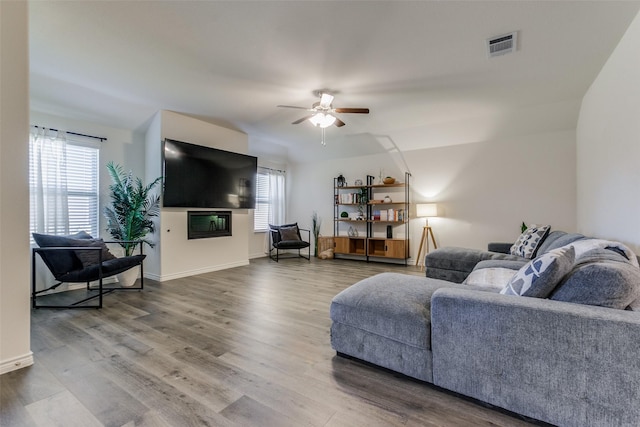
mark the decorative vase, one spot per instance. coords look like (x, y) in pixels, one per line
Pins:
(128, 278)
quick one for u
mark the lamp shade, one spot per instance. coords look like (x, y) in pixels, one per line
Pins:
(426, 210)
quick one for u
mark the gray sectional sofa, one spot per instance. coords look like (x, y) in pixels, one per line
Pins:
(561, 360)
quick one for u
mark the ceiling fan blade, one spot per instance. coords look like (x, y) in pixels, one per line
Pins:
(339, 123)
(301, 120)
(352, 110)
(326, 100)
(293, 106)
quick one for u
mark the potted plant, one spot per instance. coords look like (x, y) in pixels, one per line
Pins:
(316, 221)
(129, 217)
(363, 199)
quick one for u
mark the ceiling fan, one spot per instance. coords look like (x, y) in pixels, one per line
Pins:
(323, 112)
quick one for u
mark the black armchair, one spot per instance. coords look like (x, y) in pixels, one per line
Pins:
(79, 258)
(286, 237)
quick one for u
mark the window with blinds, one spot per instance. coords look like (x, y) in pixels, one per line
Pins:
(81, 190)
(261, 212)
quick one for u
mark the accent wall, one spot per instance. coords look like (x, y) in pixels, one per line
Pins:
(608, 147)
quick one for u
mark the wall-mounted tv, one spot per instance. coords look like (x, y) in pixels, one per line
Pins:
(202, 177)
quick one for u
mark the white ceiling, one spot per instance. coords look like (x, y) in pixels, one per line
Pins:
(421, 67)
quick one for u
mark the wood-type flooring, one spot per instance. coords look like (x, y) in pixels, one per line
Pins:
(246, 346)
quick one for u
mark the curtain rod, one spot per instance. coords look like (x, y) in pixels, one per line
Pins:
(74, 133)
(271, 169)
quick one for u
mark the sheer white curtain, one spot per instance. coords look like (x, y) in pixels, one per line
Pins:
(276, 197)
(276, 204)
(48, 181)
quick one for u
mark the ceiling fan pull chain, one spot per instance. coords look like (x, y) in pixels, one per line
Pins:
(322, 142)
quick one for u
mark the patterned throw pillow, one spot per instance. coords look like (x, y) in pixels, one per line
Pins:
(527, 244)
(541, 275)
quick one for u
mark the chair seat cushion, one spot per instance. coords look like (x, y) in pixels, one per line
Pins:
(291, 244)
(109, 268)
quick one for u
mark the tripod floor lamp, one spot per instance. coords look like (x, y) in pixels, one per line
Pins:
(426, 210)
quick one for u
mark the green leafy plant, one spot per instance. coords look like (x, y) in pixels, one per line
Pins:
(362, 201)
(132, 207)
(523, 227)
(316, 222)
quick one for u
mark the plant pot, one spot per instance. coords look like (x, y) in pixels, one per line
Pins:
(128, 278)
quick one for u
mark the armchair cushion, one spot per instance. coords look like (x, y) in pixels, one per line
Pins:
(60, 262)
(109, 268)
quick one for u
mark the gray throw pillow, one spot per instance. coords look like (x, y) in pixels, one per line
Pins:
(604, 283)
(540, 276)
(91, 257)
(528, 243)
(289, 233)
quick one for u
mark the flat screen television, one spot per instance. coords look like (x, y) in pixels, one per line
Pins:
(202, 177)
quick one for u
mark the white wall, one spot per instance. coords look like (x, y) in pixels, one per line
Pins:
(484, 190)
(14, 190)
(176, 256)
(608, 147)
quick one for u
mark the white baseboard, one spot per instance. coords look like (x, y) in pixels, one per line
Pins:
(16, 363)
(258, 255)
(165, 277)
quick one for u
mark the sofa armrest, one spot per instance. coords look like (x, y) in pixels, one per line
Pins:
(503, 248)
(563, 363)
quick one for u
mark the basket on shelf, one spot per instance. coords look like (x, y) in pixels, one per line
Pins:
(389, 180)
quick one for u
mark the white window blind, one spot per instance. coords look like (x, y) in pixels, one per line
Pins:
(270, 199)
(68, 177)
(261, 212)
(82, 188)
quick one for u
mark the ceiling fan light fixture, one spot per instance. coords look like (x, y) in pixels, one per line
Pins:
(322, 120)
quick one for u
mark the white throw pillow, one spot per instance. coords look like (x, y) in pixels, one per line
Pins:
(491, 278)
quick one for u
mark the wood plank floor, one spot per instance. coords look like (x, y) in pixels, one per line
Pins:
(244, 346)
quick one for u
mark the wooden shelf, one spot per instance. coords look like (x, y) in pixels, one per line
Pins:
(365, 245)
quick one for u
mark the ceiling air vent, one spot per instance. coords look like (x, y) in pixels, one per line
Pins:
(501, 45)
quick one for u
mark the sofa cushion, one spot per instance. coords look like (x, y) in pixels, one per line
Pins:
(527, 244)
(557, 239)
(601, 277)
(540, 276)
(393, 305)
(454, 264)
